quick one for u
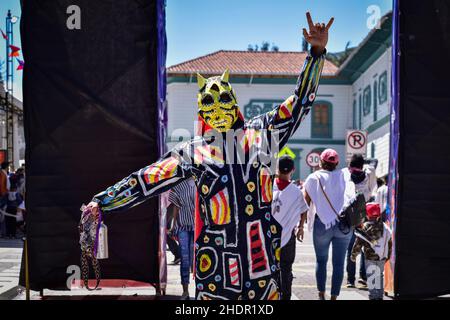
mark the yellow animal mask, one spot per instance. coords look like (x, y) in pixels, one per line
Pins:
(217, 103)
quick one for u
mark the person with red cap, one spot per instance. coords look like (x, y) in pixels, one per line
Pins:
(328, 191)
(362, 172)
(375, 240)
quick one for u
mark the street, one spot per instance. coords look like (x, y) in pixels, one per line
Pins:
(304, 287)
(10, 258)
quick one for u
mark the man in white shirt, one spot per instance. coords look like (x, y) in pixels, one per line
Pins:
(290, 210)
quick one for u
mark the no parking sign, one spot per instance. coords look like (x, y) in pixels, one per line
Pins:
(356, 143)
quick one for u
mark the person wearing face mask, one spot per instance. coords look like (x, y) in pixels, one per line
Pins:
(362, 173)
(237, 241)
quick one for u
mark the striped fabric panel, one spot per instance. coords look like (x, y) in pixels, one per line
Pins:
(161, 171)
(265, 183)
(286, 109)
(220, 208)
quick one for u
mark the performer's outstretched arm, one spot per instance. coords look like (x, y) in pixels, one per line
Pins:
(148, 182)
(286, 118)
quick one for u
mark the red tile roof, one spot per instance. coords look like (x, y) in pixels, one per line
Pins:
(272, 64)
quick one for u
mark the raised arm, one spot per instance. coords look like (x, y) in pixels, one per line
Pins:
(287, 117)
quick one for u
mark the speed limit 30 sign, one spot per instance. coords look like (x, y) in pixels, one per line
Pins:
(313, 159)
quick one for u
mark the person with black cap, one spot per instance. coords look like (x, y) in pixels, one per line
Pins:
(290, 210)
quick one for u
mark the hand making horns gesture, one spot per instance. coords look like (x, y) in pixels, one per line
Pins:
(317, 36)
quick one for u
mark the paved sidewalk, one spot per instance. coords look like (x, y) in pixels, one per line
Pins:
(10, 259)
(304, 285)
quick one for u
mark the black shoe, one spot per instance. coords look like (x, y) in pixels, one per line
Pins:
(350, 285)
(363, 283)
(185, 297)
(176, 261)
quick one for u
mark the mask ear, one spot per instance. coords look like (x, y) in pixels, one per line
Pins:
(225, 76)
(201, 81)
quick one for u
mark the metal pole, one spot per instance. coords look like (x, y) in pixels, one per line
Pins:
(9, 95)
(27, 275)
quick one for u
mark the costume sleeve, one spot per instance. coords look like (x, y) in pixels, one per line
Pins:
(170, 170)
(286, 118)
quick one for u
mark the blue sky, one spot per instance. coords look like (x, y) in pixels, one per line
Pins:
(199, 27)
(14, 5)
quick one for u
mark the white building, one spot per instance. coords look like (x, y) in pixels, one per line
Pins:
(18, 137)
(355, 96)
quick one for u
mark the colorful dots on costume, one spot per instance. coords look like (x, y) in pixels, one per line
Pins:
(262, 283)
(133, 182)
(278, 254)
(212, 287)
(273, 229)
(255, 165)
(274, 268)
(248, 284)
(219, 241)
(251, 294)
(312, 96)
(269, 234)
(249, 210)
(248, 198)
(200, 287)
(111, 193)
(205, 189)
(218, 278)
(205, 263)
(224, 179)
(268, 216)
(251, 186)
(206, 239)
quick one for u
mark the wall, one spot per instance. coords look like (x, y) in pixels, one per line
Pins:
(376, 122)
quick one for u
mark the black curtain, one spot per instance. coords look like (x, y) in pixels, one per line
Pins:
(423, 224)
(90, 104)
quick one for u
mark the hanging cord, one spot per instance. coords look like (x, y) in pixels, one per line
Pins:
(89, 228)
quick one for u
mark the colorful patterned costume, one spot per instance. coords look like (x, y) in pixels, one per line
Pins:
(237, 251)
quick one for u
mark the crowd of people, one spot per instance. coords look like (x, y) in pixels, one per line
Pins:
(12, 201)
(318, 201)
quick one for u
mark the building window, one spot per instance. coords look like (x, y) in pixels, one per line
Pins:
(322, 125)
(367, 100)
(258, 107)
(375, 101)
(354, 113)
(383, 88)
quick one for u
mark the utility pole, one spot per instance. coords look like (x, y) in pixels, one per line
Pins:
(9, 91)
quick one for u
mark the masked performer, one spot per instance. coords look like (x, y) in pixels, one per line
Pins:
(237, 250)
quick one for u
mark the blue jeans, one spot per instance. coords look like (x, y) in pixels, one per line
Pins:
(322, 240)
(351, 266)
(186, 242)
